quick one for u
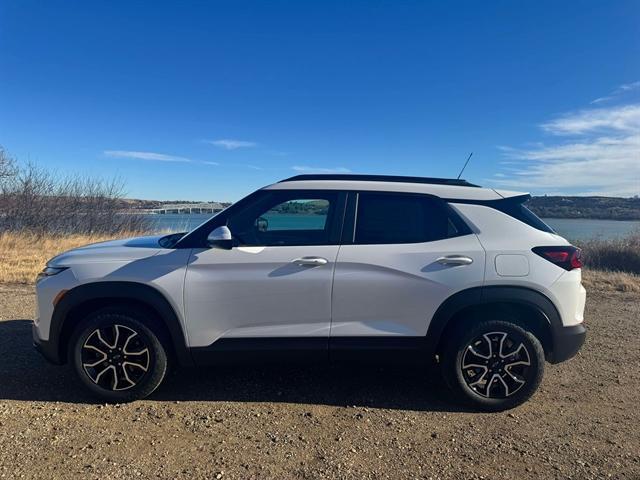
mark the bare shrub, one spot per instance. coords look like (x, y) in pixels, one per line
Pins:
(35, 200)
(618, 255)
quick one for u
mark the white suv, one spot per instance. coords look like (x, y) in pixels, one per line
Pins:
(326, 267)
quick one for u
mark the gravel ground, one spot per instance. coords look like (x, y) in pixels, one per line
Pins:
(291, 422)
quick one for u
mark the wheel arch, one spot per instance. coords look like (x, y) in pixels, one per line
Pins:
(531, 309)
(84, 299)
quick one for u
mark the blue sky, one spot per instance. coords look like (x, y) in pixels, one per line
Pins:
(210, 100)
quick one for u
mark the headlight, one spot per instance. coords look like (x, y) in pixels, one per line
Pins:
(50, 271)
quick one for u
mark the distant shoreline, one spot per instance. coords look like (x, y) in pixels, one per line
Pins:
(586, 208)
(634, 220)
(561, 207)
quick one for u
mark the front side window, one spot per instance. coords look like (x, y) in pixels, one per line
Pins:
(282, 219)
(299, 214)
(387, 218)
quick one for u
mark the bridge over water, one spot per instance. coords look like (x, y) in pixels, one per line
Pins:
(187, 208)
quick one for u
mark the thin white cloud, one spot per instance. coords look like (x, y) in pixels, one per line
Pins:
(229, 144)
(602, 99)
(599, 155)
(158, 157)
(625, 118)
(622, 89)
(215, 164)
(308, 169)
(625, 87)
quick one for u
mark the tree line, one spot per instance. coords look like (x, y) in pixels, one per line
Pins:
(607, 208)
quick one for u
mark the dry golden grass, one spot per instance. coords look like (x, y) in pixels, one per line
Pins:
(23, 255)
(610, 281)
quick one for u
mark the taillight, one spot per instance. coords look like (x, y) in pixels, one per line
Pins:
(565, 257)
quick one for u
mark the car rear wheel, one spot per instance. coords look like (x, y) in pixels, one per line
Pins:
(494, 365)
(117, 356)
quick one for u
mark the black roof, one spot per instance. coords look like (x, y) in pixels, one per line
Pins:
(380, 178)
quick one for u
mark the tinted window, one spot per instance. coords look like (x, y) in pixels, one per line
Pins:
(300, 214)
(284, 218)
(403, 218)
(515, 208)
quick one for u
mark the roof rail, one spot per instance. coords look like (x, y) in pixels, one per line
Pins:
(380, 178)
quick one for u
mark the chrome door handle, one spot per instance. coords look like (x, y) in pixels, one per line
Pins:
(311, 261)
(455, 260)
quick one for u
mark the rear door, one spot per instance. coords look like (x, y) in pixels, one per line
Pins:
(403, 255)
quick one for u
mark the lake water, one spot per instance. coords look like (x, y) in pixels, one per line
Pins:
(570, 228)
(585, 229)
(184, 222)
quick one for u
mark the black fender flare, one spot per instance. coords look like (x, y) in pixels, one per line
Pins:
(119, 291)
(478, 296)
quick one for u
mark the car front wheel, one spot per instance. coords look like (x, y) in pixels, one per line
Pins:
(117, 356)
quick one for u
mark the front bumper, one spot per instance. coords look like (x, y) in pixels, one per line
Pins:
(47, 349)
(567, 341)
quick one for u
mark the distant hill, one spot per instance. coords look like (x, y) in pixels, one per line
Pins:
(607, 208)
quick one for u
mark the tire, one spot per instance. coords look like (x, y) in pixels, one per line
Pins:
(117, 356)
(493, 365)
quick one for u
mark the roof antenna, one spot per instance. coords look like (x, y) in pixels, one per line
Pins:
(465, 166)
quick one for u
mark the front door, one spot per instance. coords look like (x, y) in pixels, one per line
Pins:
(273, 288)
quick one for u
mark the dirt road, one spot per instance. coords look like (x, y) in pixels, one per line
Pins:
(288, 423)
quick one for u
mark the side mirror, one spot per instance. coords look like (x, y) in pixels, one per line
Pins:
(220, 238)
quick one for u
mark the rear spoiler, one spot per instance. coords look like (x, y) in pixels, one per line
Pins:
(510, 194)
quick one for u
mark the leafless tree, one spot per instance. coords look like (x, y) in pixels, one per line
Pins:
(34, 199)
(7, 165)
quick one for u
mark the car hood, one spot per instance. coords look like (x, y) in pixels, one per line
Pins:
(124, 250)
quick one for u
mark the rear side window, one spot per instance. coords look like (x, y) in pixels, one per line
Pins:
(515, 208)
(387, 218)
